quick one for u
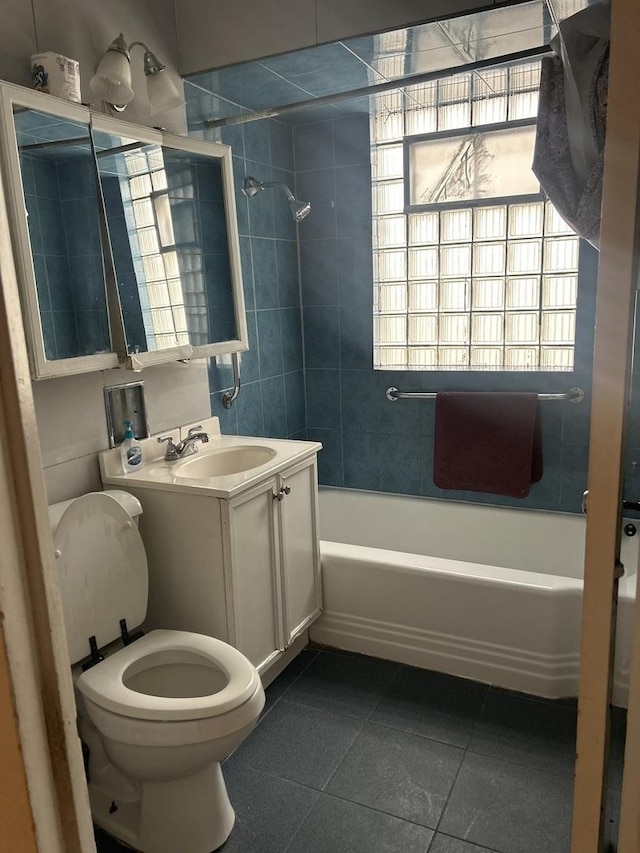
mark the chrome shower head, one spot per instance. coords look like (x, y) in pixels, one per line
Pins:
(299, 209)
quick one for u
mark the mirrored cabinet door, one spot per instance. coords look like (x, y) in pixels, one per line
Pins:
(175, 253)
(54, 202)
(126, 239)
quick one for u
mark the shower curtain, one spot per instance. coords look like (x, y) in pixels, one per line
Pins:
(571, 124)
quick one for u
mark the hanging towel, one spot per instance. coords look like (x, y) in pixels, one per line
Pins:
(572, 114)
(487, 442)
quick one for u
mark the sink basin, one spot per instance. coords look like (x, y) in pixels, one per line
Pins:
(221, 463)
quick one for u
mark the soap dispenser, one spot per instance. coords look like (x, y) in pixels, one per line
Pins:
(130, 451)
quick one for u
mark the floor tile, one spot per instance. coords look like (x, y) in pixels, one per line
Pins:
(402, 774)
(509, 807)
(344, 684)
(298, 743)
(283, 682)
(516, 728)
(447, 844)
(269, 811)
(359, 755)
(611, 820)
(336, 826)
(106, 844)
(432, 704)
(616, 751)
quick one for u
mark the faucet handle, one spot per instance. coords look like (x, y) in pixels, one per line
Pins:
(171, 452)
(197, 431)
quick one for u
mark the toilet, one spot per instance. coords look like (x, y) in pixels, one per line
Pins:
(157, 712)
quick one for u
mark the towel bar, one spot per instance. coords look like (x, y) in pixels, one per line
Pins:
(574, 395)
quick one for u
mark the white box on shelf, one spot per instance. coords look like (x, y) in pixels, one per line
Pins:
(57, 75)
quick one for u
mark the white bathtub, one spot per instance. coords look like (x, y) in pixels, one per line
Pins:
(482, 592)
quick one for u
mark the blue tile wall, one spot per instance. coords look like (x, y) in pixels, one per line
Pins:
(371, 443)
(330, 388)
(61, 199)
(272, 398)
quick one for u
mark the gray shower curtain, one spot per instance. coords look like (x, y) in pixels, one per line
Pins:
(571, 124)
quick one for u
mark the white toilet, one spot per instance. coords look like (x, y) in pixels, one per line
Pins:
(157, 715)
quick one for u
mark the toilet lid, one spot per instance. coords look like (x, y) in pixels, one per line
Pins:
(103, 571)
(105, 683)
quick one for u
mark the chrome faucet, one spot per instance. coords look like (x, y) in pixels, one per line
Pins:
(186, 447)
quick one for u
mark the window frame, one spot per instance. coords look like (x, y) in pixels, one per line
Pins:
(402, 207)
(409, 140)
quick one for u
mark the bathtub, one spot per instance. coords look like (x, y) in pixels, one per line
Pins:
(483, 592)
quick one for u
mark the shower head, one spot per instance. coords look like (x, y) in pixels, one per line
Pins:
(299, 209)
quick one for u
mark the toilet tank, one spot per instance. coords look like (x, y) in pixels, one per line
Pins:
(102, 567)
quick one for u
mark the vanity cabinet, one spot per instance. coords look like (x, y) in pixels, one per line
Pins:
(274, 563)
(245, 570)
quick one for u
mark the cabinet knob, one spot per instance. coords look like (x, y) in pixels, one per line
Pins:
(285, 490)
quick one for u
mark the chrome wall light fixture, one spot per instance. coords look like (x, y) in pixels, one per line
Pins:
(299, 209)
(112, 80)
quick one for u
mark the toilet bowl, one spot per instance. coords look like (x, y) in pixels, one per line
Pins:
(158, 714)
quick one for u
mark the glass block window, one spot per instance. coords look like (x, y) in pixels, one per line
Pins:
(154, 248)
(466, 279)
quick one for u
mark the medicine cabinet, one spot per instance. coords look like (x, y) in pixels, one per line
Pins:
(125, 239)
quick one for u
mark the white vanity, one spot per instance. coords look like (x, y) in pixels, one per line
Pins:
(231, 539)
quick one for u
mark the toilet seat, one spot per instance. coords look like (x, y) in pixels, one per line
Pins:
(104, 684)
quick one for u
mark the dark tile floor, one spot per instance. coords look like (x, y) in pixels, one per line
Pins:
(359, 755)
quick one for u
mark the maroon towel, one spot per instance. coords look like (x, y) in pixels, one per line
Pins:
(487, 442)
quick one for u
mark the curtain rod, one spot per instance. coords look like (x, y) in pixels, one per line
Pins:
(377, 88)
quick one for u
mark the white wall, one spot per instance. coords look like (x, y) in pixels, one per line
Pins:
(82, 30)
(214, 33)
(70, 411)
(72, 422)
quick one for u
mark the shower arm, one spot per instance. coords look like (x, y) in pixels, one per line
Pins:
(252, 186)
(285, 189)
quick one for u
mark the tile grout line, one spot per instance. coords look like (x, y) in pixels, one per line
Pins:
(359, 805)
(363, 724)
(462, 760)
(471, 730)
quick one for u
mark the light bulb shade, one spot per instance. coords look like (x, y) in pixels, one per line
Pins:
(162, 92)
(112, 80)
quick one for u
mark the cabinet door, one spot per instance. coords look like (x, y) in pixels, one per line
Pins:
(254, 605)
(57, 231)
(300, 559)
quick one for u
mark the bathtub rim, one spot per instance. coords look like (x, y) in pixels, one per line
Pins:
(486, 575)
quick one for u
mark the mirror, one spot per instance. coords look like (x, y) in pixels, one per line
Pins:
(58, 172)
(126, 239)
(172, 254)
(54, 201)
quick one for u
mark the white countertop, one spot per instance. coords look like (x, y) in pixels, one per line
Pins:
(158, 474)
